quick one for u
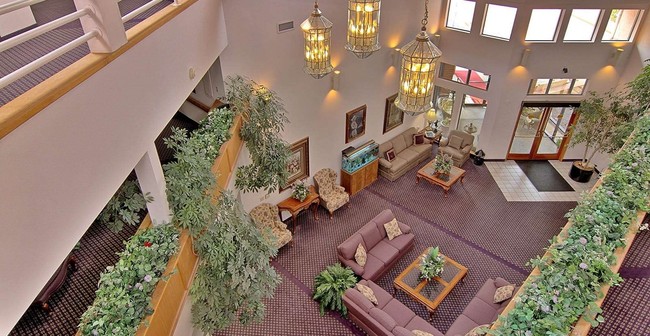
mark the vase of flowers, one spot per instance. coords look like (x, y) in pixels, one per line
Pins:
(442, 164)
(432, 264)
(300, 191)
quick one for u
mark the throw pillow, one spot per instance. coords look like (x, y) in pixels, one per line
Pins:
(392, 229)
(503, 293)
(478, 330)
(368, 293)
(390, 155)
(455, 142)
(360, 255)
(418, 139)
(420, 333)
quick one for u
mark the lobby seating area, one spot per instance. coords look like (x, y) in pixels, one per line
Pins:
(407, 154)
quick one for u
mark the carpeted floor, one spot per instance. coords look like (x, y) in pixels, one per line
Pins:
(474, 225)
(18, 56)
(544, 176)
(98, 249)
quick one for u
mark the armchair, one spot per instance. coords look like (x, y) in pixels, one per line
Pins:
(266, 215)
(458, 144)
(332, 196)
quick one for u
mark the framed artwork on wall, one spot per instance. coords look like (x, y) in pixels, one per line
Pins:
(298, 163)
(355, 123)
(393, 116)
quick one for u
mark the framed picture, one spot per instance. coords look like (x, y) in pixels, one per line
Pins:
(298, 163)
(393, 116)
(355, 123)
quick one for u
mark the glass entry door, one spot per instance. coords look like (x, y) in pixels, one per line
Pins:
(542, 131)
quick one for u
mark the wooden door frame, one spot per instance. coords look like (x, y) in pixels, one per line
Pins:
(532, 155)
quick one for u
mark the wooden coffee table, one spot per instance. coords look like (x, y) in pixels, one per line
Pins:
(429, 174)
(294, 206)
(430, 293)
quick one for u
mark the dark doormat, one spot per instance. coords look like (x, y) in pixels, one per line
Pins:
(544, 176)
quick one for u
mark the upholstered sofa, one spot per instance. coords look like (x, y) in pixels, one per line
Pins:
(381, 252)
(458, 145)
(407, 154)
(266, 215)
(388, 317)
(481, 310)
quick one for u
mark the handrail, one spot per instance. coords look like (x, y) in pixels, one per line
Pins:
(12, 77)
(16, 5)
(28, 35)
(140, 10)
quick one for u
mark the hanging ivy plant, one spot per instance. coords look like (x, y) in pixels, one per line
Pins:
(263, 120)
(124, 207)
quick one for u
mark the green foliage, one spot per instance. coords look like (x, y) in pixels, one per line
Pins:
(124, 295)
(234, 273)
(300, 191)
(330, 285)
(442, 164)
(124, 207)
(570, 278)
(189, 178)
(432, 264)
(264, 119)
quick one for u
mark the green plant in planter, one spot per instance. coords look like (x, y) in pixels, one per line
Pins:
(124, 207)
(330, 284)
(300, 191)
(432, 264)
(442, 164)
(263, 120)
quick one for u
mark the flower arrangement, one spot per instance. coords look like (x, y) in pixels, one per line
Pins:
(300, 191)
(442, 164)
(432, 264)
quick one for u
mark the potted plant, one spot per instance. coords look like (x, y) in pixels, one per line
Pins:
(300, 191)
(442, 164)
(432, 264)
(330, 284)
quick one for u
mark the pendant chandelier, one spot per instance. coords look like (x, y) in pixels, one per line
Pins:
(317, 31)
(419, 59)
(363, 27)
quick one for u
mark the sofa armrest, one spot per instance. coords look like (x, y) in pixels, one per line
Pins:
(500, 282)
(339, 188)
(356, 268)
(404, 228)
(280, 225)
(466, 149)
(385, 163)
(443, 142)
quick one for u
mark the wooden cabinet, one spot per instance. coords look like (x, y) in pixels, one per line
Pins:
(361, 178)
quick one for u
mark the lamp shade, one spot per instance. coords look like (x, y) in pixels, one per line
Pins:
(431, 115)
(419, 58)
(363, 27)
(317, 31)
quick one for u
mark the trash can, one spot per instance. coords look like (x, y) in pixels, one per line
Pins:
(478, 157)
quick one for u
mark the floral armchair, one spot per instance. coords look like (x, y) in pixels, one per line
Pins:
(266, 215)
(332, 196)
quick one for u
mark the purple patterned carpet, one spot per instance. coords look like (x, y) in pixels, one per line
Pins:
(474, 225)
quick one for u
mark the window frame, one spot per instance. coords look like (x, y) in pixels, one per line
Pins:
(469, 76)
(634, 29)
(594, 33)
(485, 16)
(558, 23)
(456, 28)
(550, 82)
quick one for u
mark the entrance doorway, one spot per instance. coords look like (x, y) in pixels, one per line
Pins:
(542, 132)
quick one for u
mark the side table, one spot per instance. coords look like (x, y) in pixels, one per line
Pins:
(294, 206)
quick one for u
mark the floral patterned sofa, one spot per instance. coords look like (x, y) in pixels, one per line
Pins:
(332, 195)
(266, 215)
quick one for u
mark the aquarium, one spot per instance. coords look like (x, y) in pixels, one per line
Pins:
(356, 158)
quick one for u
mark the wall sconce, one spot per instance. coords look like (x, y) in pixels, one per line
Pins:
(616, 55)
(524, 57)
(436, 39)
(336, 80)
(396, 57)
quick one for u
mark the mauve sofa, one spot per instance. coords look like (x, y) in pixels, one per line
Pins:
(481, 310)
(382, 253)
(388, 317)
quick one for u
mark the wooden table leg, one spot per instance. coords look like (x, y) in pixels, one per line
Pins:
(446, 191)
(293, 222)
(417, 179)
(316, 210)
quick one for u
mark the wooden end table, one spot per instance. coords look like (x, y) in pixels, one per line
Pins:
(427, 173)
(429, 292)
(294, 206)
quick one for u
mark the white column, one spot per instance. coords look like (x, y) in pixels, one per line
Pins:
(152, 181)
(107, 20)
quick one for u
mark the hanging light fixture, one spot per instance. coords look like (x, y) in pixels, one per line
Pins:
(419, 59)
(318, 35)
(363, 27)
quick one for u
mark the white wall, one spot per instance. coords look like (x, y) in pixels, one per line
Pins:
(58, 170)
(16, 20)
(317, 112)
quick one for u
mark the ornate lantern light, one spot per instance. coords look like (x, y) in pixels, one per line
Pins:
(419, 58)
(363, 27)
(317, 31)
